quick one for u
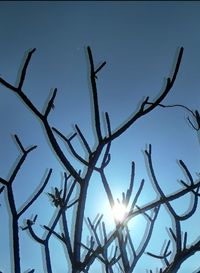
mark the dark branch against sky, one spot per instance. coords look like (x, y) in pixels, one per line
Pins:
(138, 41)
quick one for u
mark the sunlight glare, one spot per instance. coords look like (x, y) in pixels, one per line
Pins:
(119, 212)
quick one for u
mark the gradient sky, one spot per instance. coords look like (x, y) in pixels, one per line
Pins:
(139, 41)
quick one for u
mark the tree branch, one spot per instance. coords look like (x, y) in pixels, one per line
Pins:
(94, 93)
(23, 72)
(142, 111)
(42, 117)
(68, 141)
(50, 104)
(33, 199)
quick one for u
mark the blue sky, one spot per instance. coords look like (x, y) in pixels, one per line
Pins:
(139, 42)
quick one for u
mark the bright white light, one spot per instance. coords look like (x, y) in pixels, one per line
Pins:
(119, 212)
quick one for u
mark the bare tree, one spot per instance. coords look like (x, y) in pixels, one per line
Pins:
(125, 255)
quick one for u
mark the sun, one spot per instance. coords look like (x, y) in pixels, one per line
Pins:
(119, 212)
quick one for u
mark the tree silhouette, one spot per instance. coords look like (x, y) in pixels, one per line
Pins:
(81, 255)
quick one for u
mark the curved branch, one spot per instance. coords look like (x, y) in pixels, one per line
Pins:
(143, 111)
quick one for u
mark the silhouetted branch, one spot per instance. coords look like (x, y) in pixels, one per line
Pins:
(95, 253)
(175, 217)
(21, 161)
(100, 240)
(93, 73)
(137, 194)
(60, 153)
(195, 113)
(23, 72)
(148, 207)
(3, 181)
(185, 240)
(60, 198)
(12, 205)
(182, 252)
(107, 188)
(108, 124)
(83, 140)
(147, 236)
(195, 193)
(187, 172)
(44, 242)
(42, 117)
(142, 110)
(34, 198)
(29, 224)
(163, 256)
(130, 189)
(32, 271)
(94, 228)
(60, 237)
(68, 141)
(174, 106)
(66, 236)
(101, 250)
(106, 157)
(2, 188)
(50, 103)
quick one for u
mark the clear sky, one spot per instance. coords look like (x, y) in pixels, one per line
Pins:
(139, 41)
